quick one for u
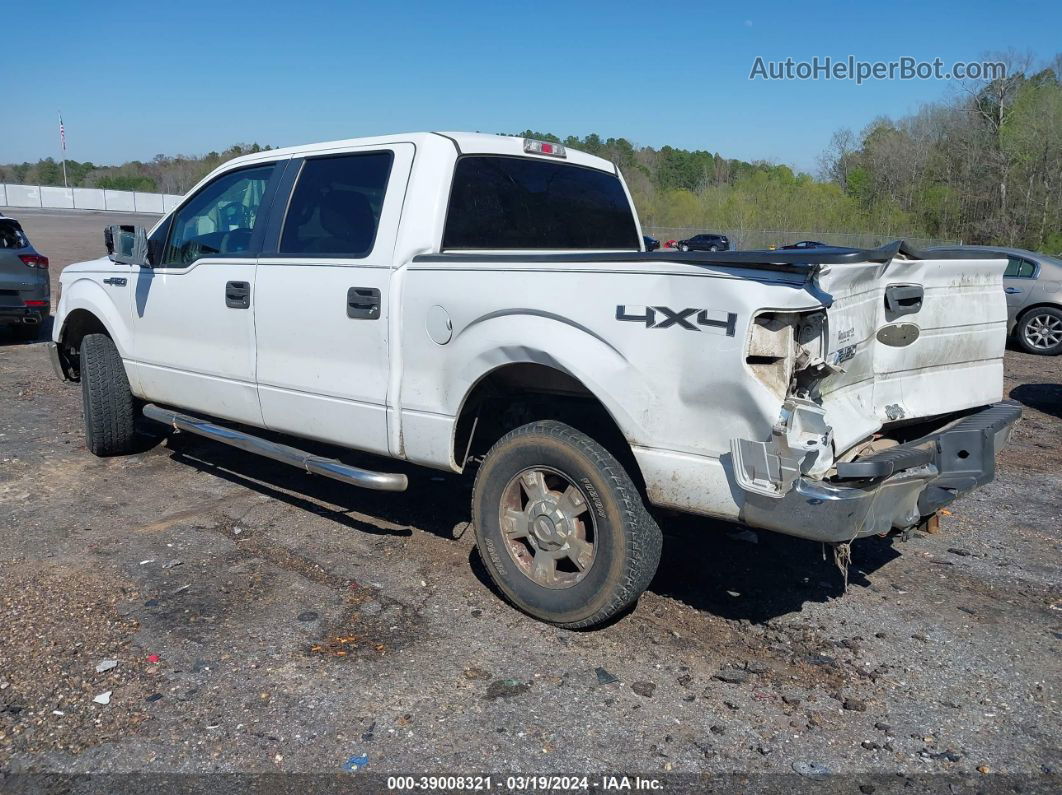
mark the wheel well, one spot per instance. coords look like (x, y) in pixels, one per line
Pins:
(517, 394)
(1026, 310)
(76, 327)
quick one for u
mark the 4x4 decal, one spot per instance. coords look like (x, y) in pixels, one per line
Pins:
(691, 319)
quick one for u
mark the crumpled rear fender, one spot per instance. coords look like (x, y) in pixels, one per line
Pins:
(506, 338)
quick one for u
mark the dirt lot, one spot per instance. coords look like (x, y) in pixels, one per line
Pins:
(266, 620)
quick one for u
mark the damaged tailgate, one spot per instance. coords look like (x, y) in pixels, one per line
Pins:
(903, 338)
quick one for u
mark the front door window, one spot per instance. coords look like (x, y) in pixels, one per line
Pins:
(219, 220)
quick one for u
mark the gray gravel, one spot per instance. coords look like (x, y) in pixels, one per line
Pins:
(308, 623)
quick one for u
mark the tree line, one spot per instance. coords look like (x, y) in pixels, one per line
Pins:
(161, 174)
(679, 189)
(981, 167)
(984, 166)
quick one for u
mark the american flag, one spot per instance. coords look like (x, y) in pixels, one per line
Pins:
(62, 132)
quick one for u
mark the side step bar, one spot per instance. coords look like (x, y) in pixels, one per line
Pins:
(314, 464)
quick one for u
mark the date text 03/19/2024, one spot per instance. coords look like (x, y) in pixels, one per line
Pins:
(522, 783)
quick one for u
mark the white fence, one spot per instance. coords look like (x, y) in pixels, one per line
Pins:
(121, 201)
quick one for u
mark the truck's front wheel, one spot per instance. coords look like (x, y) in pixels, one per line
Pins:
(560, 526)
(108, 402)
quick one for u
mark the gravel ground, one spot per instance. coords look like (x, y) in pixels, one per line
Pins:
(265, 620)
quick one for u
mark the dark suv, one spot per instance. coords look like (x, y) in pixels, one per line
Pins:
(705, 242)
(805, 244)
(25, 293)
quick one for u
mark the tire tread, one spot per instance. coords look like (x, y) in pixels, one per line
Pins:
(644, 541)
(108, 402)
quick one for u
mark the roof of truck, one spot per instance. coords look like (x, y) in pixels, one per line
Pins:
(464, 142)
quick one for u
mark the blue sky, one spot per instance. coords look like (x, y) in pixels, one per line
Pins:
(137, 79)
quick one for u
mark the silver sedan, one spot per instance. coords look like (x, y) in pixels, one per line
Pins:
(1033, 283)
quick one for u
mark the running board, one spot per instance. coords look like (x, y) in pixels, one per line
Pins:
(314, 464)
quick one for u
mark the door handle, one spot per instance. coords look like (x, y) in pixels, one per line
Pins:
(363, 303)
(238, 295)
(117, 281)
(1012, 290)
(903, 299)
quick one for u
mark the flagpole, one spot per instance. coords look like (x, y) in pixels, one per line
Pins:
(62, 142)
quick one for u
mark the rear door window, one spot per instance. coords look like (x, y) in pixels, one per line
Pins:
(499, 202)
(1019, 268)
(11, 234)
(335, 207)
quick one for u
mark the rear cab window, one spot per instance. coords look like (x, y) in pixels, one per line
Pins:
(498, 202)
(11, 234)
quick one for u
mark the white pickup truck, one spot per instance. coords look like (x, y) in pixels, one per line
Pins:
(482, 303)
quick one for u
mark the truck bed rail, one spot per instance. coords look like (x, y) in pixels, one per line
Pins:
(786, 261)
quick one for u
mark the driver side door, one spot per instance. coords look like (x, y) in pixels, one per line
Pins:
(192, 313)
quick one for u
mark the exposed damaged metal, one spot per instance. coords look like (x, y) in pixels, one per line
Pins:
(800, 444)
(786, 355)
(889, 486)
(880, 356)
(786, 351)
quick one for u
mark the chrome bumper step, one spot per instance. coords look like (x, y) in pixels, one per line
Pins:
(314, 464)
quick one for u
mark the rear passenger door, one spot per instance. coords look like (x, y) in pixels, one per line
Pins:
(322, 296)
(1018, 283)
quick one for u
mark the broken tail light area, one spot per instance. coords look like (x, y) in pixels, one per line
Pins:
(33, 260)
(533, 147)
(786, 353)
(801, 444)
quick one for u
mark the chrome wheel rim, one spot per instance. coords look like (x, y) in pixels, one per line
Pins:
(1043, 331)
(548, 527)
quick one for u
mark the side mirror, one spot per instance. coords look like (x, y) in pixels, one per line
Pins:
(127, 245)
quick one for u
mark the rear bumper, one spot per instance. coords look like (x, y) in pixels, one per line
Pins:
(23, 314)
(893, 489)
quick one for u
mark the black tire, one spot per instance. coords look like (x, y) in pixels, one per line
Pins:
(1039, 331)
(110, 408)
(684, 247)
(626, 539)
(713, 248)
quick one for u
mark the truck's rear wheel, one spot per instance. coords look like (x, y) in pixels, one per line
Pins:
(560, 526)
(108, 402)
